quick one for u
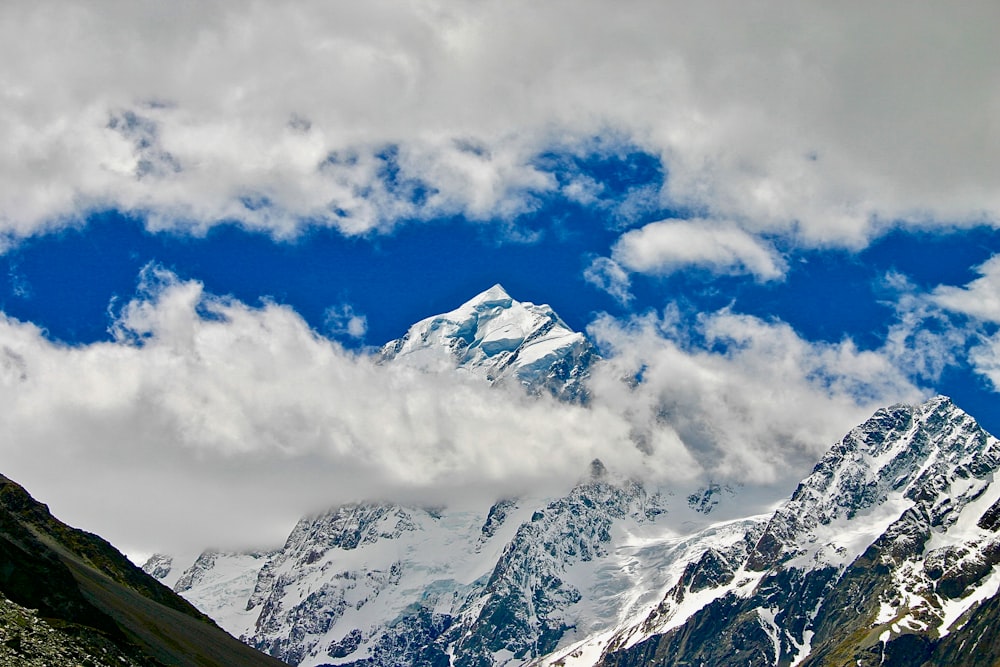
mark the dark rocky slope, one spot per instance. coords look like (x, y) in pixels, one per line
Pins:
(885, 555)
(69, 597)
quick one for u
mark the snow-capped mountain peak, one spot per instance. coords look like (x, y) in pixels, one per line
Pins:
(495, 337)
(494, 296)
(888, 553)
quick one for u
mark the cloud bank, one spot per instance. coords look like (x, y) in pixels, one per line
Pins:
(207, 421)
(751, 400)
(826, 125)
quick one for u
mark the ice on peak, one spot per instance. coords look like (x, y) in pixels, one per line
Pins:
(494, 296)
(494, 336)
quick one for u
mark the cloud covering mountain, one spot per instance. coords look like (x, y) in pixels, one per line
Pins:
(210, 422)
(770, 220)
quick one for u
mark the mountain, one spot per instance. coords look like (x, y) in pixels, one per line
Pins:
(67, 597)
(885, 554)
(384, 584)
(501, 340)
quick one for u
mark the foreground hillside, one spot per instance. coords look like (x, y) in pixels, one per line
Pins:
(69, 598)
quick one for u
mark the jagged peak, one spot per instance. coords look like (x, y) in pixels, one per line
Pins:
(939, 402)
(498, 338)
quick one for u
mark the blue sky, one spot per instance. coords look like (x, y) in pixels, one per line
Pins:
(72, 283)
(783, 220)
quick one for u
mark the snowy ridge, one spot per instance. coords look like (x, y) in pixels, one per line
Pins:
(495, 337)
(882, 551)
(353, 584)
(648, 572)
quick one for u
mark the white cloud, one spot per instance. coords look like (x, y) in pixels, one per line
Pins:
(823, 123)
(750, 400)
(342, 320)
(607, 275)
(923, 340)
(210, 422)
(979, 299)
(672, 245)
(985, 358)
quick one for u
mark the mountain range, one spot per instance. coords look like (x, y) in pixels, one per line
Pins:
(885, 554)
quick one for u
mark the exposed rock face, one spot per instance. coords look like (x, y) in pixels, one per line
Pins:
(26, 639)
(68, 597)
(885, 555)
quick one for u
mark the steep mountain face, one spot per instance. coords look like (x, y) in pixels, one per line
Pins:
(884, 555)
(377, 584)
(68, 598)
(501, 340)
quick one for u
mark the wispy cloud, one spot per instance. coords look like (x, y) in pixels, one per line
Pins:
(342, 320)
(980, 299)
(979, 302)
(608, 275)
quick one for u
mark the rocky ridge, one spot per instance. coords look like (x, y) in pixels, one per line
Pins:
(884, 555)
(69, 597)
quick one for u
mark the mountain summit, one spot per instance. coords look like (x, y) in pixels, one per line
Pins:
(886, 554)
(501, 340)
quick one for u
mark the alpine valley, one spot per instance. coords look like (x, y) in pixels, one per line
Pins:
(886, 554)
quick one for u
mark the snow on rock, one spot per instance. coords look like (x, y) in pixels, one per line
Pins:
(892, 537)
(500, 339)
(884, 552)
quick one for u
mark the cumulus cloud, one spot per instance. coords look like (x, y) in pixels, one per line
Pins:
(206, 421)
(667, 246)
(823, 123)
